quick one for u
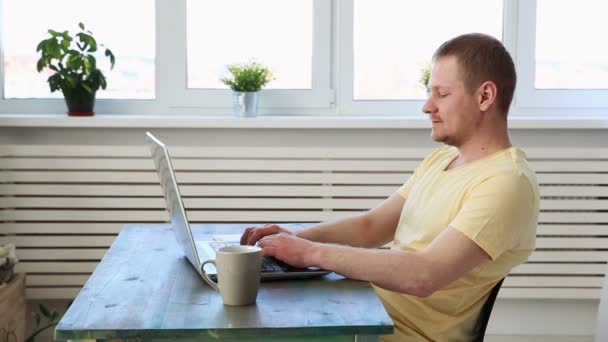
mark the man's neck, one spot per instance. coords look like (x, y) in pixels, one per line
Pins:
(481, 146)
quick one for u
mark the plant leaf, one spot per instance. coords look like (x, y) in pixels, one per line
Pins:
(44, 310)
(102, 81)
(86, 63)
(87, 88)
(92, 61)
(74, 62)
(40, 65)
(36, 317)
(88, 41)
(112, 58)
(41, 45)
(54, 316)
(81, 25)
(55, 82)
(71, 80)
(53, 48)
(65, 44)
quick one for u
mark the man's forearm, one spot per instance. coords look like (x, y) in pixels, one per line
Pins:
(352, 231)
(399, 271)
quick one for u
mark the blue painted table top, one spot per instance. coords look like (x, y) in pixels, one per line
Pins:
(145, 288)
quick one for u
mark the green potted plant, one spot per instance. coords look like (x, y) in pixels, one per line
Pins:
(51, 318)
(75, 68)
(246, 81)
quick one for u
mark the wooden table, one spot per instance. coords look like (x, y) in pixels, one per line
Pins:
(145, 289)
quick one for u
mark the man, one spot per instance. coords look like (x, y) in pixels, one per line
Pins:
(460, 223)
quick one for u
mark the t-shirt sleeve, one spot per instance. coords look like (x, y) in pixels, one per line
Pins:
(498, 212)
(405, 189)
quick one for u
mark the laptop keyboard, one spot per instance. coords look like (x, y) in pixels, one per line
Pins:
(269, 264)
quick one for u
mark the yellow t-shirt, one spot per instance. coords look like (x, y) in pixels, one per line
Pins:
(494, 201)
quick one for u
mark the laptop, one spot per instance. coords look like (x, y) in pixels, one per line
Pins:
(198, 251)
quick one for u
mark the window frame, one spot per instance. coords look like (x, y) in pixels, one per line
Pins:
(407, 108)
(114, 106)
(347, 104)
(273, 101)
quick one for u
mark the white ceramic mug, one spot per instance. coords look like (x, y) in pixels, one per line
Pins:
(238, 273)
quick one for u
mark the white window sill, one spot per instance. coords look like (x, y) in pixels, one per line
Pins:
(287, 122)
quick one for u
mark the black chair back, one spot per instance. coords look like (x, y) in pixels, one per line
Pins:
(486, 310)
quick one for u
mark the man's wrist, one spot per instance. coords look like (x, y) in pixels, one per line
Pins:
(301, 234)
(298, 234)
(317, 255)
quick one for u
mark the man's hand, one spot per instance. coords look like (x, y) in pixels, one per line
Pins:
(290, 249)
(254, 234)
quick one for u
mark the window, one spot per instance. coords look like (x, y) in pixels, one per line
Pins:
(134, 74)
(571, 56)
(562, 68)
(330, 57)
(281, 42)
(289, 37)
(391, 42)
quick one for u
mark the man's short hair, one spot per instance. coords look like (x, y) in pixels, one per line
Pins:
(483, 58)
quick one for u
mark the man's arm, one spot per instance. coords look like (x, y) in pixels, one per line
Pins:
(451, 255)
(374, 228)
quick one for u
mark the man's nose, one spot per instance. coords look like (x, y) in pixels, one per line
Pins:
(428, 106)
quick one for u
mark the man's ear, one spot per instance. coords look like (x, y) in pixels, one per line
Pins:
(487, 95)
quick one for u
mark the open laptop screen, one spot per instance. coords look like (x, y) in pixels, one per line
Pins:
(179, 220)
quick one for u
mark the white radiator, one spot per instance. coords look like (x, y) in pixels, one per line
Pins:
(63, 205)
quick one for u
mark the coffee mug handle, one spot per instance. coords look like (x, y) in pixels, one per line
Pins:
(206, 278)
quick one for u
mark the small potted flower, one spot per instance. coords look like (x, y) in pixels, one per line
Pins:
(425, 76)
(246, 81)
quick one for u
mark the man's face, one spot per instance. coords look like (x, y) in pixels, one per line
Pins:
(454, 112)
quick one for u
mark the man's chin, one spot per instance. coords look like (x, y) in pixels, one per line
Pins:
(436, 137)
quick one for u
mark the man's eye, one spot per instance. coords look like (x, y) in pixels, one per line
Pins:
(443, 95)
